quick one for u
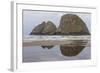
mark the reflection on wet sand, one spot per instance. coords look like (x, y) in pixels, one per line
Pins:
(72, 49)
(38, 54)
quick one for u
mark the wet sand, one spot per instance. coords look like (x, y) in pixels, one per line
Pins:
(38, 54)
(33, 53)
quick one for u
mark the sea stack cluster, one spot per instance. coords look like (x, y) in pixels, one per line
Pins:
(70, 24)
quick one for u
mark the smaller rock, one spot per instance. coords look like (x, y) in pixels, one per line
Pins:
(49, 29)
(38, 29)
(44, 28)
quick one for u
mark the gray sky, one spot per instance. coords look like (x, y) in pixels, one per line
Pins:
(34, 18)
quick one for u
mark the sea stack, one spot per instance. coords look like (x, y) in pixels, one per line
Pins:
(45, 28)
(38, 29)
(72, 24)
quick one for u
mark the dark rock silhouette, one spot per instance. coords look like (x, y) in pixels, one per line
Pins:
(38, 29)
(49, 28)
(71, 24)
(44, 28)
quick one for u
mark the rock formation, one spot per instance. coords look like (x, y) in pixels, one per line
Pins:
(44, 28)
(71, 24)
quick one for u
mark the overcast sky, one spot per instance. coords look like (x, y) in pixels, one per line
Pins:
(34, 18)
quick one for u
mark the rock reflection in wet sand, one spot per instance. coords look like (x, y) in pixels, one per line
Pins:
(38, 54)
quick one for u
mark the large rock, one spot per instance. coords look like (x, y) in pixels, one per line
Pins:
(71, 24)
(44, 28)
